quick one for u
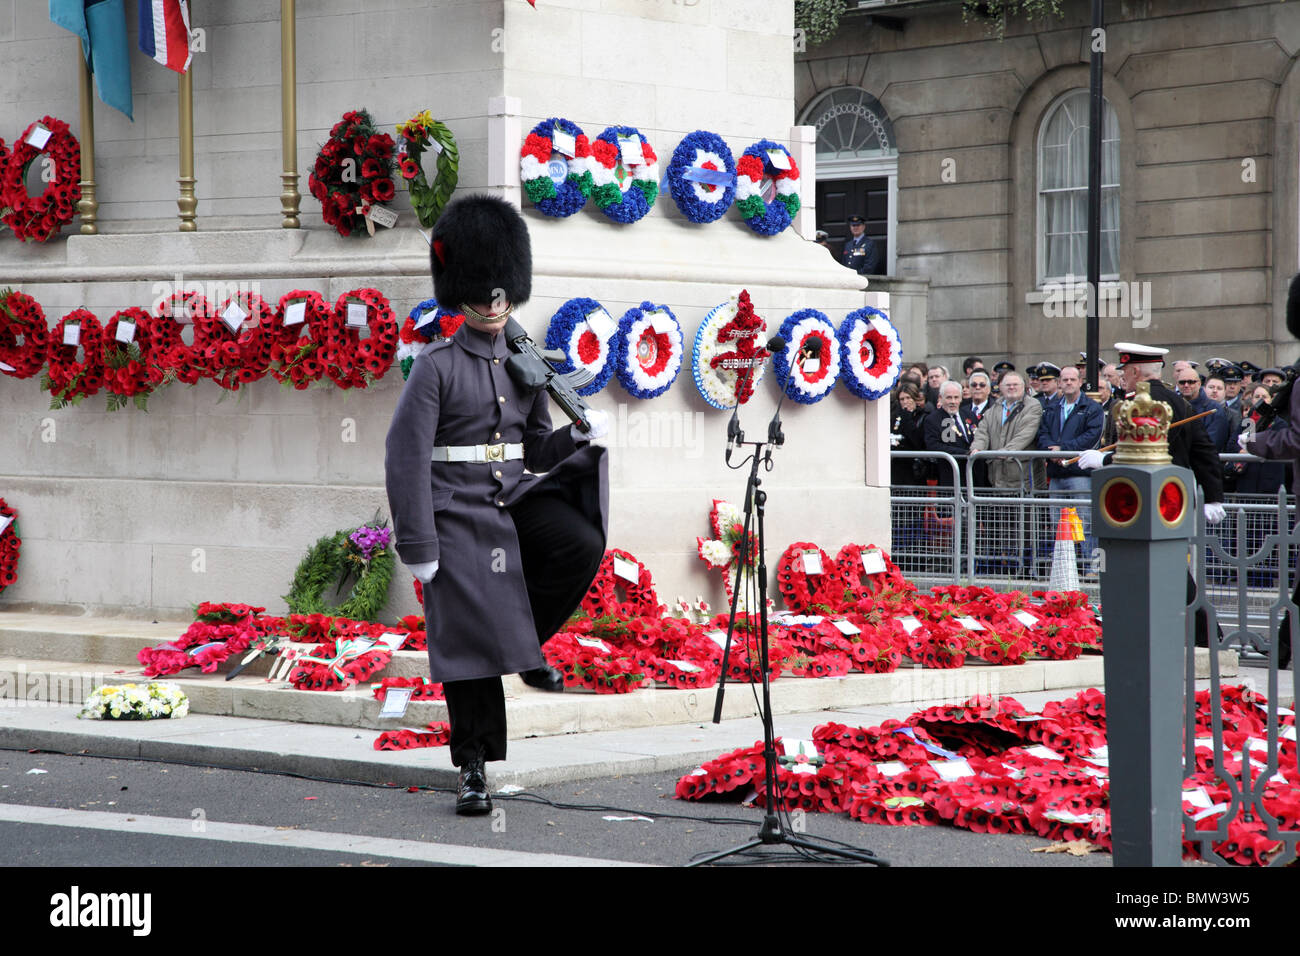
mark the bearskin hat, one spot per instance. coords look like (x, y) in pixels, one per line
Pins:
(1293, 307)
(481, 252)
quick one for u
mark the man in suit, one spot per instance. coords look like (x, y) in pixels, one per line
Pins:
(860, 253)
(946, 429)
(1074, 423)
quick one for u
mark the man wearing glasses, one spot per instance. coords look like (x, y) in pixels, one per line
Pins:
(1189, 387)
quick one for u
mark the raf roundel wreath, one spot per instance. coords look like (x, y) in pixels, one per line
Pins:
(814, 380)
(557, 186)
(871, 353)
(572, 333)
(649, 350)
(771, 161)
(702, 177)
(625, 173)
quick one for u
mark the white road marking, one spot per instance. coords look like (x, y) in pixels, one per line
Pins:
(444, 853)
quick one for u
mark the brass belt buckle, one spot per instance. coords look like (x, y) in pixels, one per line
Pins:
(496, 452)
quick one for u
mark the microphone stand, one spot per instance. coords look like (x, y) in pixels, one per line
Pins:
(772, 830)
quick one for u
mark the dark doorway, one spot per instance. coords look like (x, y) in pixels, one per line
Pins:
(838, 199)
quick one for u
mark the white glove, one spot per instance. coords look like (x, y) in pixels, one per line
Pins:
(599, 422)
(424, 572)
(1242, 440)
(1214, 512)
(1092, 458)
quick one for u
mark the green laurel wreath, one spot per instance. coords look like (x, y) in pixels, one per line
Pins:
(420, 133)
(334, 558)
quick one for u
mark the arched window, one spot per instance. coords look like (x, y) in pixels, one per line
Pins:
(851, 124)
(1063, 190)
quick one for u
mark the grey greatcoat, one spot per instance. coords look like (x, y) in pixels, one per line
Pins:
(476, 609)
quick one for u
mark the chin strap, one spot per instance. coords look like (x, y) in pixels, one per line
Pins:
(488, 318)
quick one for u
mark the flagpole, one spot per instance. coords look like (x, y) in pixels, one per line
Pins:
(290, 198)
(188, 203)
(87, 206)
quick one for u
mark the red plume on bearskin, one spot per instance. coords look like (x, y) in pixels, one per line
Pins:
(480, 253)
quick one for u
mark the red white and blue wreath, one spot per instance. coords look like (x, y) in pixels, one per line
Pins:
(555, 167)
(702, 176)
(727, 359)
(814, 380)
(871, 353)
(428, 321)
(767, 187)
(625, 173)
(649, 350)
(584, 332)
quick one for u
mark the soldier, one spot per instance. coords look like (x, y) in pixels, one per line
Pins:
(505, 555)
(860, 253)
(1189, 445)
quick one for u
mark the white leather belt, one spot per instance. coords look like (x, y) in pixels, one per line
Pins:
(479, 453)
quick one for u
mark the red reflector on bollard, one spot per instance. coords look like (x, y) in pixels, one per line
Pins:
(1173, 501)
(1120, 501)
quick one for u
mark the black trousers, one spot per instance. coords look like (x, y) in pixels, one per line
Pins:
(561, 551)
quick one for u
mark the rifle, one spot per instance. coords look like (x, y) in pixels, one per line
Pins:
(532, 368)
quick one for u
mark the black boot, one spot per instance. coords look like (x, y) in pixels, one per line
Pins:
(473, 798)
(544, 678)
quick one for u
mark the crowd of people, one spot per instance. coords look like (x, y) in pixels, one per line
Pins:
(1047, 408)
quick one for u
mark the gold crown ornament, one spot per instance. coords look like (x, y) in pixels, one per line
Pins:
(1142, 427)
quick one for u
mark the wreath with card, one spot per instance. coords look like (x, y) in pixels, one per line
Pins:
(813, 379)
(128, 374)
(302, 322)
(762, 164)
(40, 217)
(24, 335)
(802, 585)
(622, 586)
(422, 132)
(583, 331)
(69, 379)
(355, 362)
(625, 174)
(353, 174)
(233, 342)
(555, 167)
(168, 348)
(649, 350)
(358, 556)
(9, 545)
(868, 570)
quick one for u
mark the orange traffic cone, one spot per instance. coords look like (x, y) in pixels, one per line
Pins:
(1069, 529)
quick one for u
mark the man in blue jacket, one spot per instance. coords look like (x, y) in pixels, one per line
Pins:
(1073, 422)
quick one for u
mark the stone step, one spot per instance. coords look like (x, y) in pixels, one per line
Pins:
(102, 651)
(537, 713)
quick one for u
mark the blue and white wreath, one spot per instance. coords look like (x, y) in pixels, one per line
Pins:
(702, 176)
(871, 353)
(584, 332)
(625, 173)
(814, 380)
(649, 350)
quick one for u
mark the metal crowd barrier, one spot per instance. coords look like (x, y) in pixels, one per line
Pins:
(963, 533)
